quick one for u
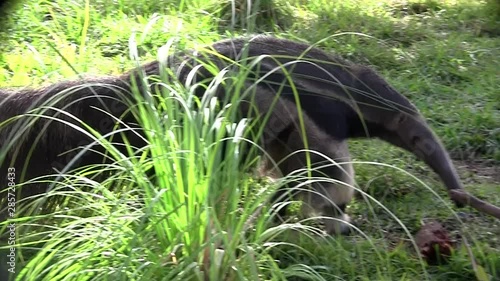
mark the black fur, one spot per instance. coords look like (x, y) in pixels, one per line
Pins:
(347, 83)
(346, 100)
(45, 139)
(340, 98)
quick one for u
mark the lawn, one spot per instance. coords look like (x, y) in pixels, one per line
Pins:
(442, 55)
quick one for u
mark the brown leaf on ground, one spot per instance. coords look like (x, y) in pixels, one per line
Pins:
(434, 243)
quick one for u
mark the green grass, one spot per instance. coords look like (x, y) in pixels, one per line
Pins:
(443, 55)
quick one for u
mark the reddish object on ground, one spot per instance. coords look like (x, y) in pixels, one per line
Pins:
(434, 243)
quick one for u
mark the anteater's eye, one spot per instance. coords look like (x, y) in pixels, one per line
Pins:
(415, 140)
(401, 118)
